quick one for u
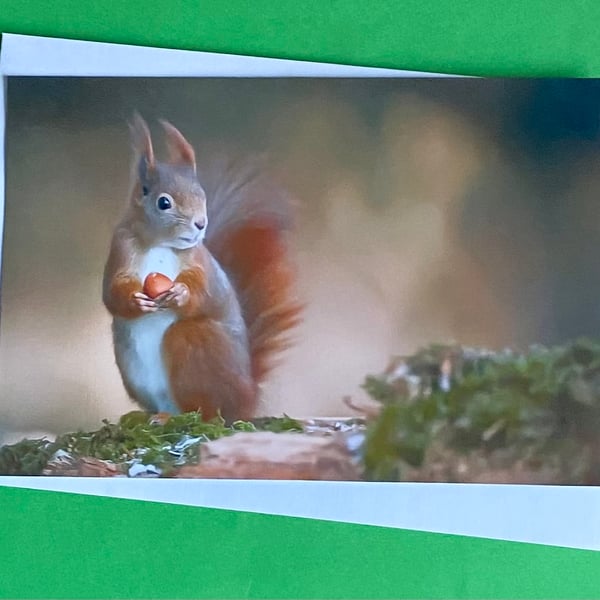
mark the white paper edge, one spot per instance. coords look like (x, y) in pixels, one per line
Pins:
(561, 516)
(42, 56)
(549, 515)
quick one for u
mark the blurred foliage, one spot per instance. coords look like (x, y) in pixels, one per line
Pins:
(543, 404)
(136, 438)
(27, 457)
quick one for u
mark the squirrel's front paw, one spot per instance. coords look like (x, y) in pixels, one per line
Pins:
(144, 303)
(176, 297)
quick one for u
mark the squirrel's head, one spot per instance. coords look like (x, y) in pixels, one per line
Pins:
(168, 195)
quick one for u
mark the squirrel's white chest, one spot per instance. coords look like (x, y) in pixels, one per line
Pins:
(158, 260)
(139, 353)
(139, 341)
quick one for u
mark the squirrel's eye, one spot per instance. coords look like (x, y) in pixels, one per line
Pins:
(163, 203)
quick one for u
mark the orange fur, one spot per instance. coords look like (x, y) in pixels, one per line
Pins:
(195, 279)
(119, 284)
(203, 371)
(257, 256)
(121, 291)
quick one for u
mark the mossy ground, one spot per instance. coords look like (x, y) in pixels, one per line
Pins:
(135, 438)
(446, 413)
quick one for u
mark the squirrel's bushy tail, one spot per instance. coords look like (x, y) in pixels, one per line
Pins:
(250, 219)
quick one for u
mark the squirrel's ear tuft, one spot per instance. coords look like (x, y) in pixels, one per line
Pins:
(180, 150)
(142, 142)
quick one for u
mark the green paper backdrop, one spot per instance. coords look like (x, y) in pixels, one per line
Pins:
(479, 37)
(57, 545)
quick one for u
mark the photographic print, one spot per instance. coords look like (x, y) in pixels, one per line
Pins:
(338, 279)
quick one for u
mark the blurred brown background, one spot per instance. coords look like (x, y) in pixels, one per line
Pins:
(430, 210)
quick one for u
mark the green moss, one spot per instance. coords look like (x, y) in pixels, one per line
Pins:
(543, 404)
(135, 438)
(27, 457)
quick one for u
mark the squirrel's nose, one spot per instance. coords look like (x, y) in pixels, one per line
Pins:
(201, 224)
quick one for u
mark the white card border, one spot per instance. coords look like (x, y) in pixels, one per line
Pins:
(43, 56)
(567, 516)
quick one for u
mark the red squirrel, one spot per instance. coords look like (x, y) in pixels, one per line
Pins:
(206, 343)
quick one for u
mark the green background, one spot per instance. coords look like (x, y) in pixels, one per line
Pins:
(71, 546)
(57, 545)
(480, 37)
